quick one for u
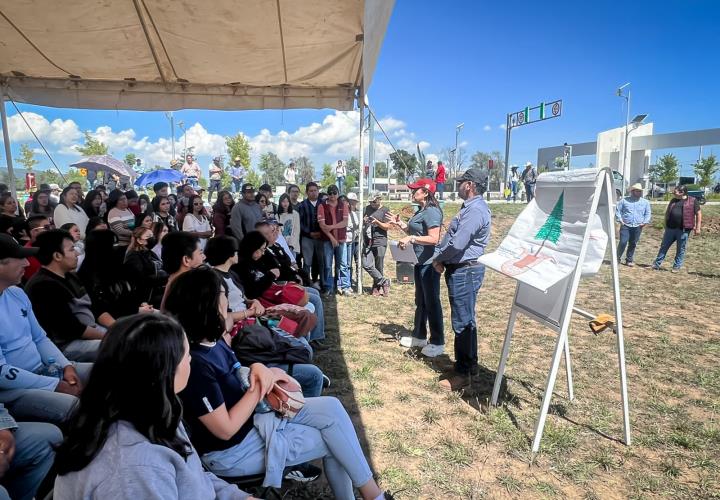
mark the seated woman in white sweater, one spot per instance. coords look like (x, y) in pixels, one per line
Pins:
(70, 211)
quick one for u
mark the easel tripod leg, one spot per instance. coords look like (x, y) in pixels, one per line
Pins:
(568, 369)
(503, 357)
(549, 390)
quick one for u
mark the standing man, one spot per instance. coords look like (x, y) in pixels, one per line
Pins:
(375, 241)
(310, 235)
(632, 212)
(440, 179)
(245, 213)
(237, 172)
(340, 173)
(216, 172)
(682, 216)
(191, 171)
(333, 220)
(513, 182)
(429, 170)
(290, 175)
(457, 255)
(529, 177)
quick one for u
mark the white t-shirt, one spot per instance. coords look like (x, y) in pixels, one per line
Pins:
(194, 225)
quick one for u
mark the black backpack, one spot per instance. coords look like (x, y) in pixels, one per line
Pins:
(257, 344)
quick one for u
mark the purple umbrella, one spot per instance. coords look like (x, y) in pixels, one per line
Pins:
(105, 163)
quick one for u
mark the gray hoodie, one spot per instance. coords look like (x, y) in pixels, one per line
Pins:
(244, 216)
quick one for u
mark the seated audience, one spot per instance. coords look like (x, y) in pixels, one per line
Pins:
(143, 219)
(144, 270)
(159, 230)
(9, 206)
(78, 242)
(229, 437)
(221, 213)
(92, 205)
(37, 224)
(96, 223)
(70, 210)
(120, 219)
(26, 353)
(196, 222)
(180, 252)
(128, 439)
(42, 205)
(162, 212)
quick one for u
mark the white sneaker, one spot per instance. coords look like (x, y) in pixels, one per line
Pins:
(412, 342)
(432, 350)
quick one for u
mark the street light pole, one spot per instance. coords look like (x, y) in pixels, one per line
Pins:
(170, 117)
(458, 128)
(627, 124)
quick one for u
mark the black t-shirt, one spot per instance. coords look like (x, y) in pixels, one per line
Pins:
(675, 217)
(376, 233)
(212, 382)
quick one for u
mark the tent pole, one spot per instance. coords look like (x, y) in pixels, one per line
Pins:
(361, 179)
(6, 140)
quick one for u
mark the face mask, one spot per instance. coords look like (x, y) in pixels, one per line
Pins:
(151, 242)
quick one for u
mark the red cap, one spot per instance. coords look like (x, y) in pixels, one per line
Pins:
(428, 184)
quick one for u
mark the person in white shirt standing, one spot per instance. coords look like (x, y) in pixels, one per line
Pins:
(340, 174)
(191, 171)
(216, 172)
(290, 175)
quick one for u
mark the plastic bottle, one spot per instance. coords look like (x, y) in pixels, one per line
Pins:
(243, 375)
(52, 369)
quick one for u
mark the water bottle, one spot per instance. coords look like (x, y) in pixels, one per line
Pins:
(273, 323)
(243, 375)
(53, 369)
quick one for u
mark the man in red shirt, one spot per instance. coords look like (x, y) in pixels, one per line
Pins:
(440, 179)
(37, 224)
(333, 218)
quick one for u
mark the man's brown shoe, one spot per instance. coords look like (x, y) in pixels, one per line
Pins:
(455, 383)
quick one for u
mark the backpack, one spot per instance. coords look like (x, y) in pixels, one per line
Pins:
(255, 343)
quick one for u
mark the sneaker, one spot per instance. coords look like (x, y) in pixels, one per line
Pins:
(630, 264)
(326, 294)
(375, 291)
(455, 383)
(655, 268)
(432, 350)
(412, 342)
(349, 292)
(318, 345)
(675, 270)
(303, 473)
(386, 287)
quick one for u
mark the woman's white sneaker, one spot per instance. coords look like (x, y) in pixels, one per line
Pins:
(412, 342)
(432, 350)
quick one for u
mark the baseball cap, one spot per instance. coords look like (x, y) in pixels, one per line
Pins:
(237, 158)
(352, 197)
(247, 187)
(474, 175)
(528, 164)
(424, 183)
(9, 248)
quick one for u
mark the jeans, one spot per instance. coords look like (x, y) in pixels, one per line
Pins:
(530, 191)
(463, 285)
(38, 405)
(193, 181)
(237, 185)
(34, 455)
(81, 350)
(340, 182)
(322, 429)
(309, 376)
(513, 191)
(440, 189)
(310, 248)
(214, 187)
(679, 236)
(341, 279)
(428, 308)
(629, 236)
(373, 262)
(317, 333)
(351, 257)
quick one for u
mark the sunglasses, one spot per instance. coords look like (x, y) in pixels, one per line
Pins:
(197, 204)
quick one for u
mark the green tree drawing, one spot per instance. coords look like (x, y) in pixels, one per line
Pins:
(552, 228)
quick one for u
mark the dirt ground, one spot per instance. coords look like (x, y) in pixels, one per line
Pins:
(424, 443)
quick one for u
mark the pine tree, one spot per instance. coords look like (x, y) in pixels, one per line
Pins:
(553, 225)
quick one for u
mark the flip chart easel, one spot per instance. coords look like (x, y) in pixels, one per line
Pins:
(553, 308)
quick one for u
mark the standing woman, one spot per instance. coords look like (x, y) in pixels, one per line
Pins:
(423, 231)
(92, 204)
(290, 220)
(221, 213)
(196, 222)
(162, 212)
(120, 219)
(69, 210)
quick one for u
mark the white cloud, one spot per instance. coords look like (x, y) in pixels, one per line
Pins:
(487, 128)
(502, 126)
(58, 132)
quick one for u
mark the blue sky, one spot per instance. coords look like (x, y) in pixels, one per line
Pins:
(444, 63)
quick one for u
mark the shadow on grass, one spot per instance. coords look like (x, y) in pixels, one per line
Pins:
(393, 332)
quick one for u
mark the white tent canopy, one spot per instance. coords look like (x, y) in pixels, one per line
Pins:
(179, 54)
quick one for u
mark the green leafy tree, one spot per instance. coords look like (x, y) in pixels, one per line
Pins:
(92, 146)
(352, 167)
(273, 169)
(405, 165)
(305, 170)
(74, 175)
(48, 177)
(705, 169)
(253, 178)
(482, 159)
(551, 230)
(130, 160)
(381, 169)
(27, 157)
(328, 176)
(350, 183)
(666, 170)
(238, 145)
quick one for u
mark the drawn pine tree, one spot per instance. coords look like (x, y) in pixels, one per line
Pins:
(550, 231)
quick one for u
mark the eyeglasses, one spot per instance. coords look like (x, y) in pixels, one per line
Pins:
(332, 194)
(197, 204)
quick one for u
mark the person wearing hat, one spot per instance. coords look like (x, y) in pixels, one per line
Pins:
(423, 230)
(26, 351)
(457, 256)
(375, 240)
(528, 178)
(245, 213)
(54, 193)
(216, 172)
(237, 173)
(191, 171)
(632, 213)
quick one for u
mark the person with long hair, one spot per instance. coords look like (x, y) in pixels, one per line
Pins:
(9, 206)
(127, 439)
(220, 412)
(144, 270)
(70, 210)
(159, 230)
(423, 230)
(196, 222)
(119, 217)
(42, 205)
(290, 220)
(143, 219)
(162, 212)
(221, 213)
(145, 204)
(92, 204)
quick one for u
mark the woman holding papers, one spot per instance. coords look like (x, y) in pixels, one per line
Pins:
(423, 230)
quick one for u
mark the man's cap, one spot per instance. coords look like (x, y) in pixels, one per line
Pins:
(636, 187)
(247, 187)
(54, 186)
(528, 164)
(474, 175)
(425, 183)
(237, 158)
(44, 187)
(265, 187)
(374, 195)
(217, 159)
(352, 197)
(9, 248)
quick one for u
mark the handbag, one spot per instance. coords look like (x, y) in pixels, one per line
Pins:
(288, 293)
(286, 398)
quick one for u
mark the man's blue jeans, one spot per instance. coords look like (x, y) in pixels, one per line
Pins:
(679, 236)
(34, 455)
(237, 185)
(530, 191)
(629, 236)
(440, 189)
(351, 257)
(341, 267)
(463, 285)
(340, 182)
(428, 308)
(317, 333)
